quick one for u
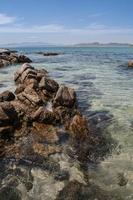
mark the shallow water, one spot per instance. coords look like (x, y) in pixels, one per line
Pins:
(103, 83)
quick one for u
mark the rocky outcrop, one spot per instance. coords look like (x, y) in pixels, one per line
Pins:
(39, 101)
(9, 57)
(45, 140)
(49, 53)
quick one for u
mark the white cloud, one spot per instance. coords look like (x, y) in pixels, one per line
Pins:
(5, 19)
(93, 28)
(95, 15)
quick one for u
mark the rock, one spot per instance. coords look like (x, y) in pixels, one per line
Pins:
(8, 114)
(20, 88)
(7, 96)
(24, 59)
(62, 175)
(7, 51)
(49, 53)
(79, 127)
(48, 84)
(43, 115)
(45, 133)
(130, 63)
(28, 73)
(65, 97)
(8, 57)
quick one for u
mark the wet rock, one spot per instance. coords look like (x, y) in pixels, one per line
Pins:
(62, 175)
(122, 181)
(48, 84)
(79, 127)
(20, 88)
(49, 53)
(65, 97)
(8, 57)
(8, 115)
(7, 96)
(24, 59)
(10, 193)
(44, 116)
(45, 133)
(130, 64)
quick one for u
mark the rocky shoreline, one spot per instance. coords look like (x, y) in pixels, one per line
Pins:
(9, 57)
(46, 142)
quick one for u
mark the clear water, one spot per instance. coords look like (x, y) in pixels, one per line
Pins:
(103, 82)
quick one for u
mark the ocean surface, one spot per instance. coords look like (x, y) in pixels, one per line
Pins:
(103, 84)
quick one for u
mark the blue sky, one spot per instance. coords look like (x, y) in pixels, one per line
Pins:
(66, 21)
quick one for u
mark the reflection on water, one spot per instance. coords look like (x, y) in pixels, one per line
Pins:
(102, 82)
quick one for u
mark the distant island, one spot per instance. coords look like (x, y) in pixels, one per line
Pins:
(87, 44)
(97, 44)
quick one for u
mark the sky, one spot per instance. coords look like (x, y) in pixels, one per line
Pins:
(66, 21)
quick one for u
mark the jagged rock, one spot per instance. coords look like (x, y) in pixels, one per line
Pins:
(79, 127)
(20, 88)
(8, 119)
(7, 96)
(24, 59)
(48, 84)
(8, 57)
(65, 97)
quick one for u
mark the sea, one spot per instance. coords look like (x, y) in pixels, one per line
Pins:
(104, 84)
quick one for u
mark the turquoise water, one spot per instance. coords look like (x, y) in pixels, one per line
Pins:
(103, 83)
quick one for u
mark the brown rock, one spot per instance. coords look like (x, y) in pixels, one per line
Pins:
(48, 84)
(79, 127)
(45, 133)
(28, 73)
(44, 116)
(65, 97)
(7, 96)
(20, 88)
(130, 64)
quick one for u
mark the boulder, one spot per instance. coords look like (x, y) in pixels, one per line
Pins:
(65, 97)
(48, 84)
(130, 64)
(79, 127)
(7, 96)
(43, 115)
(24, 59)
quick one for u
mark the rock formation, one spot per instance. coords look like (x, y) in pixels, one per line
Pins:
(8, 57)
(41, 128)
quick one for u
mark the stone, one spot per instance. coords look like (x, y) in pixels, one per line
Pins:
(7, 96)
(48, 84)
(24, 59)
(65, 97)
(79, 127)
(45, 133)
(8, 57)
(32, 96)
(130, 64)
(44, 116)
(28, 73)
(20, 88)
(49, 53)
(8, 114)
